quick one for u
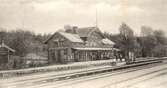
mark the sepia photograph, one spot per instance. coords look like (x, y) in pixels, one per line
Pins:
(83, 43)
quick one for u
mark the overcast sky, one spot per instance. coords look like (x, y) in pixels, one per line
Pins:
(48, 16)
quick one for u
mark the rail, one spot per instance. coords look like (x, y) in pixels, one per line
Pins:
(102, 70)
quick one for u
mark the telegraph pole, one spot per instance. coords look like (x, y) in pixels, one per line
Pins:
(24, 6)
(96, 18)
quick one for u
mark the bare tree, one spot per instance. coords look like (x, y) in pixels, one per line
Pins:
(128, 41)
(146, 31)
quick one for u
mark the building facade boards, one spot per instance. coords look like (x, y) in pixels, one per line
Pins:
(79, 44)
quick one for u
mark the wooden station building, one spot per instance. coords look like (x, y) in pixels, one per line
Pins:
(79, 44)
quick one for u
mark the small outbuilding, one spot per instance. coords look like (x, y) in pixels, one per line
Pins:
(5, 52)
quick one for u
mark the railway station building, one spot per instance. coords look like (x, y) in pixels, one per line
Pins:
(79, 44)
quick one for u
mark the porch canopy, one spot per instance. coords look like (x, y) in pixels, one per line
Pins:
(96, 49)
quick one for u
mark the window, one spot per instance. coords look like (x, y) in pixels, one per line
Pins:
(59, 42)
(65, 52)
(84, 38)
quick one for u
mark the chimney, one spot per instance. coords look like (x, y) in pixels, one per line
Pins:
(75, 28)
(70, 29)
(67, 27)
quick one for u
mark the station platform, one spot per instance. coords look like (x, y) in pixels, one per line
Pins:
(62, 68)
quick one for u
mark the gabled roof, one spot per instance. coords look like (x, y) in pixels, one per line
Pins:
(81, 32)
(72, 37)
(107, 41)
(7, 47)
(86, 31)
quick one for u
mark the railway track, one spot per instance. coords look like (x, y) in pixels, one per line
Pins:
(90, 72)
(63, 83)
(154, 76)
(143, 75)
(97, 71)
